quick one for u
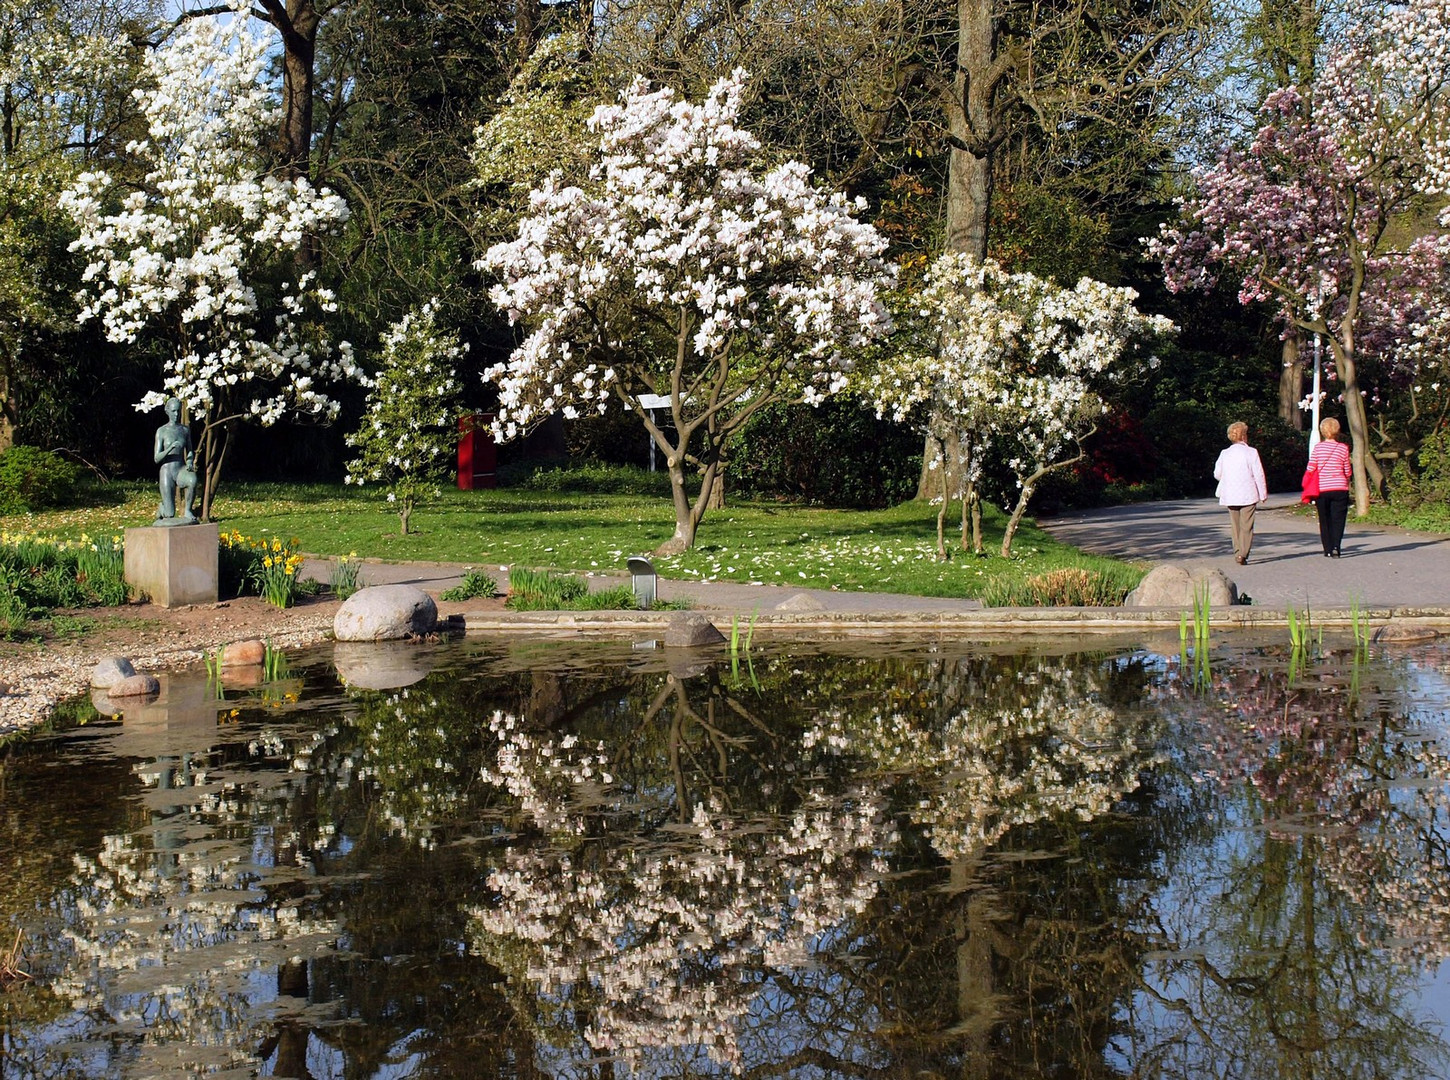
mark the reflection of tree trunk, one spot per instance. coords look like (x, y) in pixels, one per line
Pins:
(292, 1037)
(1291, 383)
(977, 1002)
(546, 698)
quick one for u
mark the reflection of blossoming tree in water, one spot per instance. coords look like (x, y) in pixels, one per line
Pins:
(656, 940)
(654, 931)
(1327, 910)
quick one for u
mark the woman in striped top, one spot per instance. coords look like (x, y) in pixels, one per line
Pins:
(1330, 458)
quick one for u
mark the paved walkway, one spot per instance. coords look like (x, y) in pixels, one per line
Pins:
(1381, 568)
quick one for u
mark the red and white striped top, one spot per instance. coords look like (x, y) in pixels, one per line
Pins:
(1330, 458)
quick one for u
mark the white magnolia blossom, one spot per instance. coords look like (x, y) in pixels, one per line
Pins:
(765, 277)
(184, 253)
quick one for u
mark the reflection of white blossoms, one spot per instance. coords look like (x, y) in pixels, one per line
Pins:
(1033, 744)
(658, 941)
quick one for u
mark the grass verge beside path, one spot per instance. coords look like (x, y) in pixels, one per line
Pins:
(892, 550)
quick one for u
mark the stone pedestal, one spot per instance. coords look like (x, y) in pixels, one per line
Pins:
(173, 564)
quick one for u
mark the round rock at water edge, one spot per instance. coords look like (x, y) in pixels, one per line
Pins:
(135, 686)
(1170, 585)
(691, 629)
(385, 613)
(111, 670)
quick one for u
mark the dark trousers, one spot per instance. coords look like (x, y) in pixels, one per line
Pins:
(1333, 513)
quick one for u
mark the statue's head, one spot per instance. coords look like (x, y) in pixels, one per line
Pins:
(173, 409)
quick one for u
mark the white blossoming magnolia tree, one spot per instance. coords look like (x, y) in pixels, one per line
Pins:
(683, 268)
(1318, 214)
(1012, 360)
(200, 257)
(409, 435)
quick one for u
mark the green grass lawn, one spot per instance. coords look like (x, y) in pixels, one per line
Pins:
(892, 550)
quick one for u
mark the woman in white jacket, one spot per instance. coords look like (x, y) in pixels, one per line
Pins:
(1241, 486)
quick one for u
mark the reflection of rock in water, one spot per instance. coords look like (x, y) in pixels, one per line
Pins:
(368, 665)
(181, 719)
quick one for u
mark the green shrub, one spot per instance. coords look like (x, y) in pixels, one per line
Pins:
(592, 478)
(835, 454)
(547, 590)
(474, 583)
(544, 590)
(37, 575)
(33, 479)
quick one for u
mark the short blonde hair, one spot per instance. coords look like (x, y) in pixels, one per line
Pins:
(1328, 428)
(1238, 431)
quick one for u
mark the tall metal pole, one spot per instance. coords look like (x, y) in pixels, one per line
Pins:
(1314, 398)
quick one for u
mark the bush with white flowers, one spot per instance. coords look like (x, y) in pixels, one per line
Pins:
(202, 257)
(409, 432)
(1014, 360)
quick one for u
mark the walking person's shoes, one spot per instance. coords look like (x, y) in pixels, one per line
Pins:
(1242, 560)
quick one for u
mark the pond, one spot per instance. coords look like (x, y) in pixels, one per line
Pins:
(818, 860)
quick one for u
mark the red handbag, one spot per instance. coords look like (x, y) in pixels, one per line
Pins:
(1310, 484)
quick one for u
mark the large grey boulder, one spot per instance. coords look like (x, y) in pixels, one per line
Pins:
(690, 629)
(111, 670)
(385, 612)
(1171, 585)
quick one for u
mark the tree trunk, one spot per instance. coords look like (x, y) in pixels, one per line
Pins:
(1291, 383)
(9, 414)
(526, 30)
(941, 519)
(972, 127)
(1367, 473)
(1017, 513)
(297, 21)
(212, 453)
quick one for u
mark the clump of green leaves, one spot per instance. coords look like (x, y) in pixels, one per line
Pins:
(548, 590)
(38, 574)
(409, 432)
(33, 479)
(345, 575)
(475, 583)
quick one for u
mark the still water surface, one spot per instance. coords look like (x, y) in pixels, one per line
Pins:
(550, 861)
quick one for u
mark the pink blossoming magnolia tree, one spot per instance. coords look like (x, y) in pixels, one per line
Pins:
(683, 268)
(1315, 214)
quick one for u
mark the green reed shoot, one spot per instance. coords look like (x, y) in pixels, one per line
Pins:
(1359, 622)
(274, 663)
(1201, 613)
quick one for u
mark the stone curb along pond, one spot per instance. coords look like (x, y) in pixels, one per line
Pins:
(835, 852)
